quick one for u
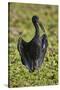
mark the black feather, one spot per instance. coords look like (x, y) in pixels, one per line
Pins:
(33, 52)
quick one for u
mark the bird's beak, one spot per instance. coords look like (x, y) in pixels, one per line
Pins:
(40, 24)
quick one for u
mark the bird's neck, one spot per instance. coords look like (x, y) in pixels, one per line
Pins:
(37, 29)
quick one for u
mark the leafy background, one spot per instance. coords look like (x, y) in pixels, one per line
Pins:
(20, 15)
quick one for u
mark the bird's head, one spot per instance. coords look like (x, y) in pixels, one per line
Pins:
(35, 19)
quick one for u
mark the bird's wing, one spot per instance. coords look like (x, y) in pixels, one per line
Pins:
(25, 58)
(18, 44)
(43, 49)
(44, 43)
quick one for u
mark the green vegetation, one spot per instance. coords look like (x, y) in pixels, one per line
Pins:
(20, 21)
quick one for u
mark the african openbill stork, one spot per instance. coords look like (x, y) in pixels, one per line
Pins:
(33, 52)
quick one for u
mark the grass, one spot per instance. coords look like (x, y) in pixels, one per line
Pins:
(20, 21)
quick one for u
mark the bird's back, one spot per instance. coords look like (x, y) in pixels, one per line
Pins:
(32, 48)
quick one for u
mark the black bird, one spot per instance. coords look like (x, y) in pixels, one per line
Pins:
(33, 52)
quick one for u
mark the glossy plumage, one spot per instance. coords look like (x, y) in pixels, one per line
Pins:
(33, 52)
